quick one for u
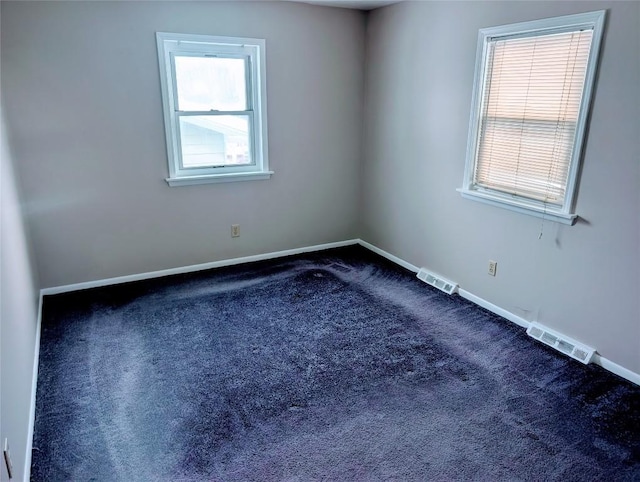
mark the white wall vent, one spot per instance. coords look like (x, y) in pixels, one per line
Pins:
(437, 281)
(562, 343)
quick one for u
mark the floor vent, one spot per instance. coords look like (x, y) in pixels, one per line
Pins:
(437, 281)
(566, 345)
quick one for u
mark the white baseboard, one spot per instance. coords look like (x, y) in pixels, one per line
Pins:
(32, 406)
(617, 369)
(193, 268)
(389, 256)
(494, 308)
(597, 359)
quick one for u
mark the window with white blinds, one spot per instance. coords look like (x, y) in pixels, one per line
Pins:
(532, 92)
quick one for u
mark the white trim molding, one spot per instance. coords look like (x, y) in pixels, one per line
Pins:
(494, 309)
(193, 268)
(34, 387)
(617, 369)
(519, 207)
(597, 359)
(209, 179)
(389, 256)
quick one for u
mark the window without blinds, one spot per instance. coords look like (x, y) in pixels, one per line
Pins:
(214, 103)
(529, 113)
(214, 116)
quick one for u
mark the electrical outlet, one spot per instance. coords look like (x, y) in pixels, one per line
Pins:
(492, 267)
(7, 458)
(235, 230)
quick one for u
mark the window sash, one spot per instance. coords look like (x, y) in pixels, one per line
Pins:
(181, 168)
(248, 78)
(202, 170)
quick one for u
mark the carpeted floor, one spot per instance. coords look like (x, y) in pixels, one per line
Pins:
(330, 366)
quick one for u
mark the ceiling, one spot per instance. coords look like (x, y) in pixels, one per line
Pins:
(356, 4)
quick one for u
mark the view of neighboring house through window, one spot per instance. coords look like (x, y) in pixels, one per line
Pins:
(215, 111)
(212, 84)
(531, 97)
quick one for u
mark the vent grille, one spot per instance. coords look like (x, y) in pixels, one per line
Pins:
(581, 354)
(561, 343)
(437, 281)
(536, 332)
(548, 338)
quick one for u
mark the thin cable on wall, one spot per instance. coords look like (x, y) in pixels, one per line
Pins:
(562, 116)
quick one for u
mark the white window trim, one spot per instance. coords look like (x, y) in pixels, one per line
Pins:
(564, 214)
(254, 49)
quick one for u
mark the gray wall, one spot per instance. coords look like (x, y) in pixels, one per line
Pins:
(581, 280)
(18, 317)
(84, 116)
(84, 120)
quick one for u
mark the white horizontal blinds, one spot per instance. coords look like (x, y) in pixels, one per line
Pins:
(529, 112)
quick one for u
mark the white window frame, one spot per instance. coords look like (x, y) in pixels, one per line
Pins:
(253, 50)
(564, 213)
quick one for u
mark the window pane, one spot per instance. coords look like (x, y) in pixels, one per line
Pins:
(214, 140)
(211, 83)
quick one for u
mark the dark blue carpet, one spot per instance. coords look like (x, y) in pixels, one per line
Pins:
(330, 366)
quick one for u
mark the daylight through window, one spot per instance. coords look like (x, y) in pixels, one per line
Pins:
(213, 96)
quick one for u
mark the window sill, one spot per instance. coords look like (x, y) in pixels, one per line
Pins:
(519, 206)
(211, 178)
